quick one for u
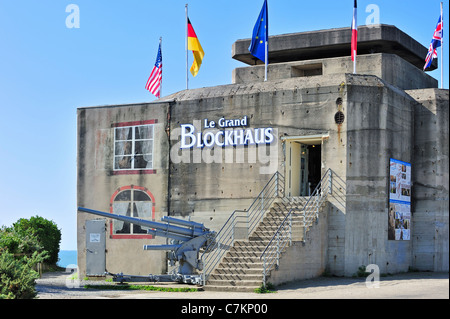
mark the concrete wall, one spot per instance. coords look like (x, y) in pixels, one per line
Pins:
(97, 182)
(336, 43)
(304, 260)
(207, 191)
(210, 191)
(380, 126)
(430, 180)
(389, 67)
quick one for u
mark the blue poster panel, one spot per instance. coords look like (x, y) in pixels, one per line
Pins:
(399, 227)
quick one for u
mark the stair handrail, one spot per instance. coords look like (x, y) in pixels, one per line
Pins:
(224, 239)
(281, 238)
(283, 235)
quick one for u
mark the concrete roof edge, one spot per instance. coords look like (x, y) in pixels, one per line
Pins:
(159, 101)
(366, 80)
(257, 87)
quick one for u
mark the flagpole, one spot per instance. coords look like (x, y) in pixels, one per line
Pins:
(442, 46)
(266, 40)
(187, 63)
(355, 40)
(267, 60)
(356, 27)
(160, 85)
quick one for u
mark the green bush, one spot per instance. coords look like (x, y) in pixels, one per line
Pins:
(361, 272)
(17, 277)
(22, 247)
(268, 288)
(19, 243)
(47, 233)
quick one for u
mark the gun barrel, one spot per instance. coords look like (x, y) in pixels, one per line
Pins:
(194, 232)
(166, 234)
(182, 222)
(161, 247)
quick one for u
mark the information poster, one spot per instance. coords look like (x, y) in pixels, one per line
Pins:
(399, 200)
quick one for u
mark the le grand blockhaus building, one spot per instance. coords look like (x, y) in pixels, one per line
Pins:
(201, 154)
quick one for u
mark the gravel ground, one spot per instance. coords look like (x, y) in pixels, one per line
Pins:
(417, 285)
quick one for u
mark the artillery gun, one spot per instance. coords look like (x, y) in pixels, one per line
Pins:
(187, 239)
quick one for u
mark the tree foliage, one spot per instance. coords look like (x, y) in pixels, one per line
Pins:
(17, 275)
(22, 247)
(46, 232)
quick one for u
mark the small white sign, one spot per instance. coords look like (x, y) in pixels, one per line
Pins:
(94, 238)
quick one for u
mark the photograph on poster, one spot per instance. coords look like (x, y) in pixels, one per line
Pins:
(399, 200)
(400, 181)
(399, 221)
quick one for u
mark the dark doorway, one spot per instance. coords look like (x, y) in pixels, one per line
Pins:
(314, 166)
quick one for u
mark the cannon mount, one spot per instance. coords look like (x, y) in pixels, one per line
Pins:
(187, 239)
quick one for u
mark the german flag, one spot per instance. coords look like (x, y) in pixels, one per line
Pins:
(196, 48)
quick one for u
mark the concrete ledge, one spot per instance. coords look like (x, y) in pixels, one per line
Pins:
(336, 43)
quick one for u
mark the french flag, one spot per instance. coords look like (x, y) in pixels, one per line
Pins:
(354, 32)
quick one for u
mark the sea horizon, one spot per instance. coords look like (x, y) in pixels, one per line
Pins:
(66, 258)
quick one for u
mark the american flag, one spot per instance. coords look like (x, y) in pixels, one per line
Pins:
(154, 81)
(435, 43)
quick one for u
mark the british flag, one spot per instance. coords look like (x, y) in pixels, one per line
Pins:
(436, 42)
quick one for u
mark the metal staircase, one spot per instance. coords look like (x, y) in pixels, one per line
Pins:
(233, 247)
(250, 244)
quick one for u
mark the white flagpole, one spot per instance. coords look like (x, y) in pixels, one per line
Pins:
(356, 27)
(442, 46)
(187, 63)
(267, 60)
(266, 49)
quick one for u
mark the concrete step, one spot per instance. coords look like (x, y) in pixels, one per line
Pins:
(234, 283)
(230, 288)
(266, 239)
(235, 277)
(239, 259)
(249, 248)
(273, 228)
(242, 266)
(238, 271)
(267, 228)
(261, 240)
(283, 210)
(246, 243)
(249, 254)
(291, 202)
(279, 217)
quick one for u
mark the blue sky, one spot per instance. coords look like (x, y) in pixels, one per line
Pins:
(48, 70)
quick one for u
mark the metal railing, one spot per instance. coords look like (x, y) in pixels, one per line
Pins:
(241, 224)
(283, 236)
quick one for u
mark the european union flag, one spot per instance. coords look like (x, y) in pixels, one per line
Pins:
(260, 35)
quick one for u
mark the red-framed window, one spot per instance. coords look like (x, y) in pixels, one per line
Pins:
(133, 201)
(133, 147)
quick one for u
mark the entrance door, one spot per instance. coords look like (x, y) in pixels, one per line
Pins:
(314, 166)
(303, 168)
(95, 247)
(293, 169)
(304, 165)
